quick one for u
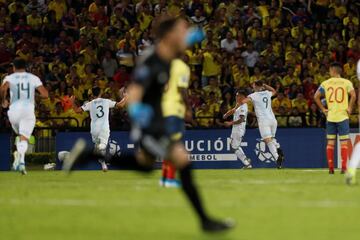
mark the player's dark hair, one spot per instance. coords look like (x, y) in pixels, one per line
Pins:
(241, 92)
(259, 83)
(96, 91)
(337, 66)
(19, 63)
(164, 25)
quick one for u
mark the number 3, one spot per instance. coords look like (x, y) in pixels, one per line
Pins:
(101, 113)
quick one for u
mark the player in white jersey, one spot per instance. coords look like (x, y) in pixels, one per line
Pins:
(22, 86)
(238, 124)
(354, 163)
(99, 109)
(267, 122)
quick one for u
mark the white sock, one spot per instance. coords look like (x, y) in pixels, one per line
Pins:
(273, 149)
(22, 147)
(355, 157)
(241, 155)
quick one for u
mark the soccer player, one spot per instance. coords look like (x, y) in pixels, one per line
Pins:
(23, 86)
(174, 104)
(267, 122)
(148, 124)
(99, 109)
(238, 124)
(336, 91)
(354, 163)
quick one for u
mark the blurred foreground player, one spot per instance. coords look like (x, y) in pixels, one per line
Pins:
(337, 91)
(148, 125)
(174, 107)
(267, 122)
(354, 163)
(99, 109)
(23, 86)
(238, 124)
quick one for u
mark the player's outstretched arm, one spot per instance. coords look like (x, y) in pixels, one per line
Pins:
(231, 123)
(271, 89)
(231, 111)
(122, 103)
(317, 98)
(43, 91)
(3, 94)
(76, 108)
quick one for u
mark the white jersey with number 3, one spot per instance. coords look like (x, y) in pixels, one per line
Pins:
(262, 104)
(99, 109)
(22, 89)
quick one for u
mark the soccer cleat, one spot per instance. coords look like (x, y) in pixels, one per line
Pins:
(247, 166)
(350, 177)
(22, 169)
(74, 154)
(331, 171)
(281, 158)
(104, 166)
(343, 171)
(213, 226)
(172, 183)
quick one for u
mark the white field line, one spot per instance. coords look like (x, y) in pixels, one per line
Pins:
(325, 203)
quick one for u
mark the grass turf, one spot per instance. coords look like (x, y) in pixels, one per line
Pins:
(266, 204)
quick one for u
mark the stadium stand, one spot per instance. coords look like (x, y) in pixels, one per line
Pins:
(73, 45)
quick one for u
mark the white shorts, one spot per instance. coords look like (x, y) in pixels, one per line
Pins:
(268, 129)
(22, 120)
(236, 139)
(101, 137)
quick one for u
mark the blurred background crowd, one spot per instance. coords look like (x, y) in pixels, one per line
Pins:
(73, 45)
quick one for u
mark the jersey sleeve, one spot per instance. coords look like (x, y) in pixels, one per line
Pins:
(37, 82)
(243, 111)
(349, 87)
(6, 79)
(251, 97)
(184, 78)
(321, 89)
(112, 103)
(86, 107)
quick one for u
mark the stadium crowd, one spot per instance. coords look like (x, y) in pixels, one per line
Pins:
(73, 45)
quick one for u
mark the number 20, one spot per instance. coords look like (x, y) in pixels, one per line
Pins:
(337, 94)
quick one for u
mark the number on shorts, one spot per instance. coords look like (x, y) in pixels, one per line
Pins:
(100, 113)
(21, 88)
(266, 101)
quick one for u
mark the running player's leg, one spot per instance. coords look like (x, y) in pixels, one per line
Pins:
(353, 165)
(26, 128)
(266, 135)
(280, 159)
(331, 129)
(236, 146)
(343, 129)
(174, 127)
(14, 119)
(179, 156)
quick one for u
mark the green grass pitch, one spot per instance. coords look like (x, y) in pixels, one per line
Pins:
(266, 204)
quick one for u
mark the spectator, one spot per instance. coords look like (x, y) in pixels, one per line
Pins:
(250, 56)
(281, 101)
(198, 19)
(109, 64)
(295, 119)
(229, 44)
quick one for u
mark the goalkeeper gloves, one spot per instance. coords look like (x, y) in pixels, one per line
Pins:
(141, 114)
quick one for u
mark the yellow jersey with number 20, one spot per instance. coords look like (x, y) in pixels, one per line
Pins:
(336, 92)
(172, 101)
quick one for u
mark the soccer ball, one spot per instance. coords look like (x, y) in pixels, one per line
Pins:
(262, 154)
(114, 148)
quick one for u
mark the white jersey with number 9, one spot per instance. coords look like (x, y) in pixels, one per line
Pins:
(262, 104)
